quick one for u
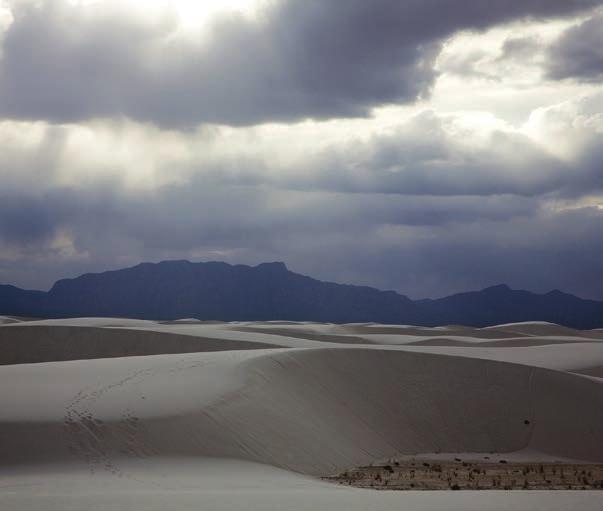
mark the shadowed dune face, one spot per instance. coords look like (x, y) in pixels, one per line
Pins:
(596, 371)
(418, 403)
(299, 333)
(25, 344)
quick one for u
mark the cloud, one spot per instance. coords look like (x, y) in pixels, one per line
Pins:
(556, 153)
(431, 206)
(540, 251)
(24, 219)
(578, 53)
(573, 132)
(434, 155)
(67, 62)
(422, 246)
(429, 199)
(520, 47)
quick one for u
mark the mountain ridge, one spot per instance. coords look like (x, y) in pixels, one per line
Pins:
(270, 291)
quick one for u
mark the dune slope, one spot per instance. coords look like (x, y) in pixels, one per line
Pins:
(313, 411)
(275, 399)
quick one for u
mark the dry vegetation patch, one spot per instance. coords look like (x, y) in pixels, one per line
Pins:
(417, 474)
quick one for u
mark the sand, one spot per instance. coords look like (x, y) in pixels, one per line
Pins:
(226, 485)
(9, 320)
(254, 416)
(25, 344)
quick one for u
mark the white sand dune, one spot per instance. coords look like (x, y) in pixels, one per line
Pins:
(519, 342)
(572, 357)
(539, 328)
(312, 411)
(571, 353)
(8, 320)
(240, 427)
(91, 322)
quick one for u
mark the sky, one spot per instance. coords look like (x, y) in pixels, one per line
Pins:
(425, 146)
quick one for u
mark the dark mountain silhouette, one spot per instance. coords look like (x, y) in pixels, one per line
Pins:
(217, 291)
(500, 304)
(18, 302)
(269, 291)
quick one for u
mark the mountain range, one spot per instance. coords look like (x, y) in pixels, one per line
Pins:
(269, 291)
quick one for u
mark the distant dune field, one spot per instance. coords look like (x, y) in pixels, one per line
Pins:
(131, 414)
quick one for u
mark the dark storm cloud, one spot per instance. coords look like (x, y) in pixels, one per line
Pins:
(312, 58)
(541, 252)
(418, 245)
(199, 214)
(24, 220)
(33, 219)
(578, 53)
